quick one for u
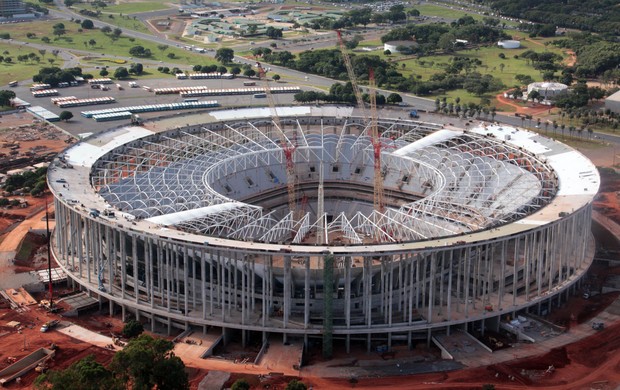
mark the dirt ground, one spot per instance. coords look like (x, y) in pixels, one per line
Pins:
(32, 135)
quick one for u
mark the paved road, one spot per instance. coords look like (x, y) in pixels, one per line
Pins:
(301, 78)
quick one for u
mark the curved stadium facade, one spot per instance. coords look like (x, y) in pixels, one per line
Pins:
(192, 226)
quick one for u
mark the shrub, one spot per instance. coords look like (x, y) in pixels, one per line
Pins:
(132, 329)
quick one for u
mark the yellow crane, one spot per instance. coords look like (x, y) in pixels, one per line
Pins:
(377, 145)
(352, 78)
(288, 148)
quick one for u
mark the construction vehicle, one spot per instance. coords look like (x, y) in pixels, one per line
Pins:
(136, 120)
(414, 114)
(49, 325)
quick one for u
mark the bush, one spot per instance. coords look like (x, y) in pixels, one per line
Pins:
(240, 384)
(5, 36)
(132, 329)
(87, 24)
(139, 51)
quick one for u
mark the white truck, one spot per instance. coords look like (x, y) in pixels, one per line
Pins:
(49, 325)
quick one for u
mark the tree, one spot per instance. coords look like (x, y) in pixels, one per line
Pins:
(235, 70)
(104, 72)
(276, 77)
(117, 32)
(106, 29)
(92, 42)
(252, 28)
(224, 55)
(140, 51)
(65, 116)
(6, 97)
(249, 73)
(121, 73)
(273, 33)
(87, 24)
(295, 385)
(394, 98)
(387, 52)
(149, 362)
(133, 329)
(162, 48)
(136, 68)
(240, 384)
(59, 29)
(86, 373)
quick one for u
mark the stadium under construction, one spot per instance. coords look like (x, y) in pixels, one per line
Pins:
(194, 226)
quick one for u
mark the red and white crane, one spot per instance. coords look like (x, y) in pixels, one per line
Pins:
(288, 147)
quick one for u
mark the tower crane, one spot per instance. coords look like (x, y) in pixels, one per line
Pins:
(377, 145)
(352, 78)
(288, 148)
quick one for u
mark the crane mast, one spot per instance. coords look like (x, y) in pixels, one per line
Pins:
(352, 78)
(378, 201)
(288, 148)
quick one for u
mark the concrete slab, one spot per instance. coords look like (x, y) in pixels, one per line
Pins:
(214, 380)
(461, 346)
(83, 334)
(20, 297)
(280, 357)
(195, 344)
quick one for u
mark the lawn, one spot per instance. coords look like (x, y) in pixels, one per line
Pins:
(425, 67)
(445, 12)
(104, 45)
(124, 21)
(21, 70)
(127, 8)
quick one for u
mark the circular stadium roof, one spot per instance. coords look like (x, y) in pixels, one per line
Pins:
(226, 181)
(232, 183)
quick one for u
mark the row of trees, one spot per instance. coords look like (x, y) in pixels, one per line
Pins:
(145, 363)
(441, 36)
(343, 93)
(593, 15)
(33, 182)
(362, 17)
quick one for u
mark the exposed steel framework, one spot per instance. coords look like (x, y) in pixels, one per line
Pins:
(288, 147)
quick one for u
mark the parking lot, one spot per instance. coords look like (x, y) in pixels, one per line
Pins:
(141, 96)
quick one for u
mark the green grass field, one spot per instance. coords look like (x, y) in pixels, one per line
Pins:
(125, 21)
(425, 67)
(445, 12)
(104, 44)
(22, 70)
(127, 8)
